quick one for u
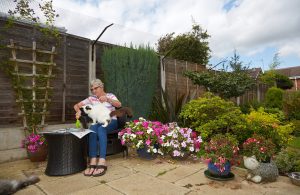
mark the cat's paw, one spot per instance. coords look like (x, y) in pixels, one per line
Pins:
(105, 124)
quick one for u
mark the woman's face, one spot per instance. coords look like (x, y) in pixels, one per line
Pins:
(96, 90)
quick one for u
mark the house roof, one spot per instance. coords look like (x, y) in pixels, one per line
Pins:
(290, 72)
(254, 72)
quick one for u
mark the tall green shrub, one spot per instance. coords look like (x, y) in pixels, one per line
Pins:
(269, 126)
(211, 115)
(131, 74)
(291, 105)
(274, 98)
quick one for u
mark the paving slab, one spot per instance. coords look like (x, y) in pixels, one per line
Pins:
(115, 172)
(100, 189)
(68, 184)
(141, 183)
(179, 173)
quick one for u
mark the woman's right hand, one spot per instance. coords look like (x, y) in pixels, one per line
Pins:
(78, 114)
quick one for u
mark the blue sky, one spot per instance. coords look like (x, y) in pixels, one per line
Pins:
(256, 29)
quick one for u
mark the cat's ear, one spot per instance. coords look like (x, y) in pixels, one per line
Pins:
(253, 157)
(88, 108)
(245, 157)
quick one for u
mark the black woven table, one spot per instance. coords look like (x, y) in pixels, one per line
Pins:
(66, 153)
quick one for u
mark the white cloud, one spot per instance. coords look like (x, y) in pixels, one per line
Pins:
(250, 26)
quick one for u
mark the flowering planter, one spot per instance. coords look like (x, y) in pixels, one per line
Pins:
(142, 153)
(184, 157)
(215, 171)
(38, 156)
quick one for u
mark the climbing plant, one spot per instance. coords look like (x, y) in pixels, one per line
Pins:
(31, 78)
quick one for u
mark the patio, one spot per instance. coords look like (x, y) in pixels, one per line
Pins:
(136, 176)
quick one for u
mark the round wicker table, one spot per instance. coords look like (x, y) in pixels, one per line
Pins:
(66, 153)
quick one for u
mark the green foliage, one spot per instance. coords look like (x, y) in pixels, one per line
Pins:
(295, 142)
(274, 98)
(247, 107)
(165, 110)
(131, 74)
(269, 126)
(225, 84)
(291, 104)
(192, 46)
(283, 82)
(288, 160)
(211, 115)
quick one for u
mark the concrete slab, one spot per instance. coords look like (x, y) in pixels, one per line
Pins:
(115, 172)
(141, 183)
(100, 189)
(67, 185)
(177, 174)
(30, 190)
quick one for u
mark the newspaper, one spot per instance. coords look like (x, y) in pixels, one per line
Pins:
(80, 133)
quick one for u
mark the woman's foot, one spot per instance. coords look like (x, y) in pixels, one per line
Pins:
(91, 168)
(100, 168)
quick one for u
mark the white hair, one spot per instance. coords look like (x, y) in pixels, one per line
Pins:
(97, 82)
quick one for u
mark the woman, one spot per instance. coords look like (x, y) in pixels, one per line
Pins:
(97, 166)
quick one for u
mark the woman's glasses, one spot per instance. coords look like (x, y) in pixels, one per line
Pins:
(92, 89)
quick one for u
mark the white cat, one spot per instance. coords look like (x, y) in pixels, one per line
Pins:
(98, 113)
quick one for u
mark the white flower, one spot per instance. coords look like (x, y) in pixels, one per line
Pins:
(175, 135)
(149, 130)
(148, 150)
(163, 137)
(191, 149)
(170, 133)
(183, 144)
(160, 152)
(139, 144)
(142, 119)
(155, 150)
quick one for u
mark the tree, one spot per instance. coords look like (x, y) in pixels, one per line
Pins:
(191, 46)
(224, 83)
(272, 78)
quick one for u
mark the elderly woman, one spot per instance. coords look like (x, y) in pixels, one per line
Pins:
(97, 166)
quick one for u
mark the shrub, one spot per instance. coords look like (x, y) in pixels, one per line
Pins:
(291, 105)
(288, 160)
(274, 98)
(269, 126)
(247, 107)
(211, 115)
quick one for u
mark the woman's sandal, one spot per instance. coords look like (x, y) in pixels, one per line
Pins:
(90, 167)
(100, 167)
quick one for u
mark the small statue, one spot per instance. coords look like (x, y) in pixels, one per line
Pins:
(260, 172)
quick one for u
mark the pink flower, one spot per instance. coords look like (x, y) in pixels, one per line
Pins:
(148, 142)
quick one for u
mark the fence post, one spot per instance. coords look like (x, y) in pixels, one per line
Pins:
(92, 64)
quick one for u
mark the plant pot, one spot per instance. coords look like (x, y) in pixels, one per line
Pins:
(38, 156)
(214, 170)
(184, 157)
(142, 153)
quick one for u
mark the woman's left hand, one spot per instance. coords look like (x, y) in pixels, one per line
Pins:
(103, 99)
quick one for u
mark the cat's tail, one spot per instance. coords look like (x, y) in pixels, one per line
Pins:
(122, 111)
(28, 181)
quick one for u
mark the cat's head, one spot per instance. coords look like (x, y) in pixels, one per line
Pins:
(87, 108)
(251, 162)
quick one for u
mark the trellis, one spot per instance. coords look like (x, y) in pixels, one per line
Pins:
(20, 85)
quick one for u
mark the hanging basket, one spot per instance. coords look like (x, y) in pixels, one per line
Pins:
(38, 156)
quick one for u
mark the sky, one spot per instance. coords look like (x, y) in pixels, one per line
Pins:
(256, 29)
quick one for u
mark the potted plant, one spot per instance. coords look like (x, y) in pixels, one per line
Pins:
(221, 152)
(180, 142)
(263, 149)
(145, 136)
(36, 147)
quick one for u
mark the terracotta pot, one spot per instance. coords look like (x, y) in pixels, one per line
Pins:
(38, 156)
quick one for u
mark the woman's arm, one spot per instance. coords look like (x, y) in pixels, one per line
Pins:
(115, 103)
(77, 109)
